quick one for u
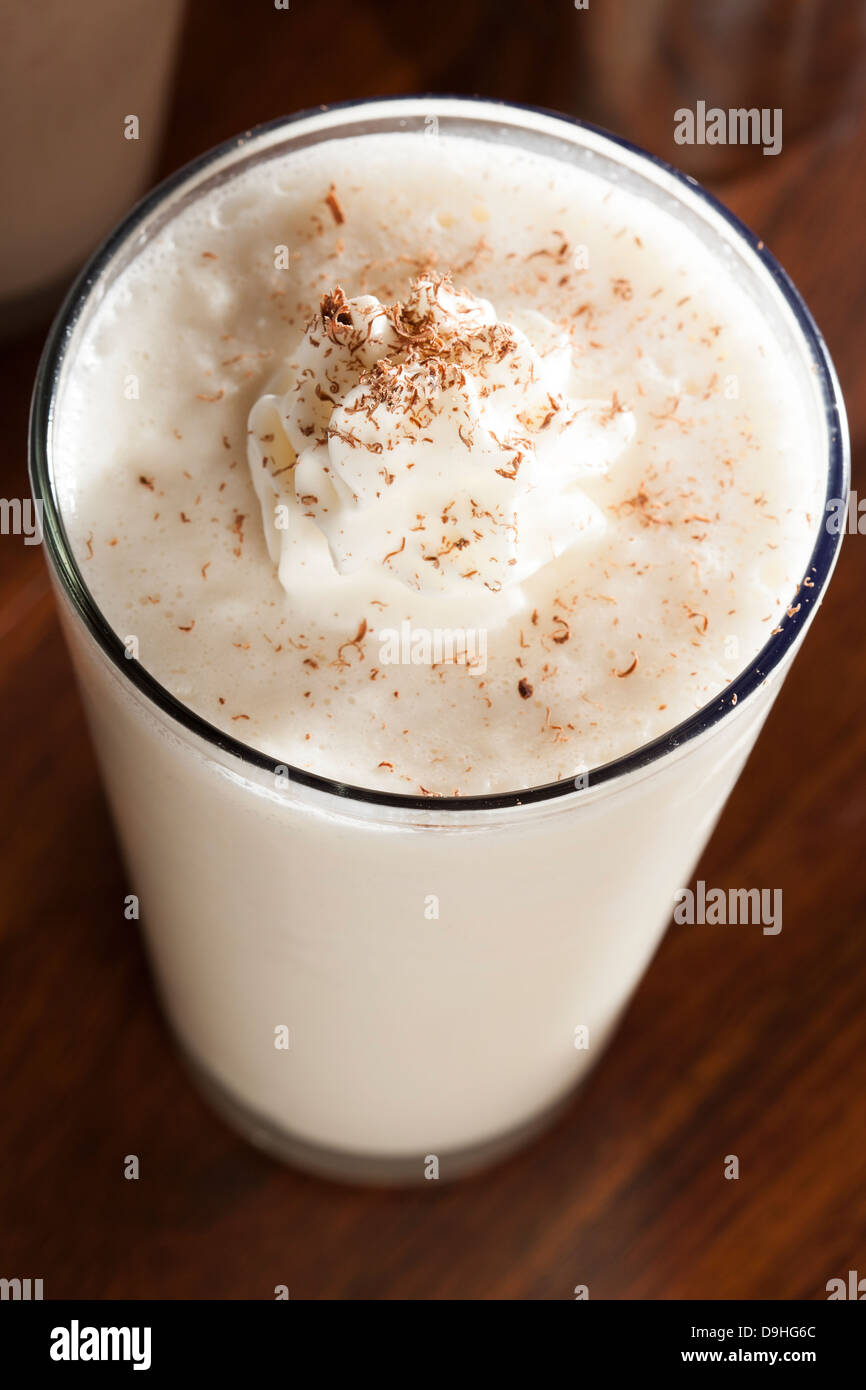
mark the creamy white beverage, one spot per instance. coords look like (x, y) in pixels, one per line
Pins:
(437, 474)
(584, 448)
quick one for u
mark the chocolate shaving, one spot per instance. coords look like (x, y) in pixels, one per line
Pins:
(355, 641)
(401, 547)
(336, 316)
(334, 204)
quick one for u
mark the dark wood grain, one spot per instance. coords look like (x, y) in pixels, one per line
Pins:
(735, 1043)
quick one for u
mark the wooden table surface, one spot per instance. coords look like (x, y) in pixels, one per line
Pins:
(734, 1043)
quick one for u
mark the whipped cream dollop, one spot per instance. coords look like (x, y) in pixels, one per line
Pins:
(429, 443)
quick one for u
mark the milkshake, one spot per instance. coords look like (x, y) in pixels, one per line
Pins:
(439, 528)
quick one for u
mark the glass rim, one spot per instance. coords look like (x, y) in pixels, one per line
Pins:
(708, 717)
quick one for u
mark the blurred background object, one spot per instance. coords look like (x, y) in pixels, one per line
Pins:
(639, 64)
(83, 95)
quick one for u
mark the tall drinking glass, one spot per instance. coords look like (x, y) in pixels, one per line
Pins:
(366, 982)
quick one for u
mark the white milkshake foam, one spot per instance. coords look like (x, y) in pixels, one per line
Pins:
(387, 385)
